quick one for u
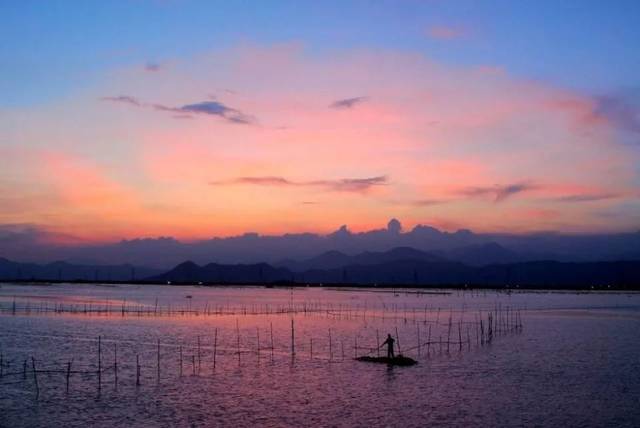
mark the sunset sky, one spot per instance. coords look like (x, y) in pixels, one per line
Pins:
(197, 119)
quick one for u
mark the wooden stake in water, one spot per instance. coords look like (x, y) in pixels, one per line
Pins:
(271, 331)
(35, 376)
(330, 348)
(68, 374)
(449, 333)
(99, 362)
(158, 362)
(115, 364)
(199, 358)
(180, 360)
(378, 342)
(215, 347)
(238, 339)
(418, 334)
(137, 370)
(293, 344)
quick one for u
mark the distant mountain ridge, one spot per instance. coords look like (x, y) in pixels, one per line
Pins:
(63, 271)
(398, 266)
(337, 259)
(214, 272)
(34, 245)
(405, 266)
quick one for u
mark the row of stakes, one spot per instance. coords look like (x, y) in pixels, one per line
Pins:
(485, 332)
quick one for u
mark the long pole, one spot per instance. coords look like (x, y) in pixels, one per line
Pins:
(271, 331)
(293, 343)
(137, 370)
(238, 339)
(99, 362)
(199, 358)
(68, 374)
(158, 360)
(35, 376)
(115, 364)
(215, 347)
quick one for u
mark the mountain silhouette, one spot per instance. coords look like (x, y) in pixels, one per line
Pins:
(462, 245)
(219, 273)
(63, 271)
(337, 259)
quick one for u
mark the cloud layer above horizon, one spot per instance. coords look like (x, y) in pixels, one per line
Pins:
(275, 138)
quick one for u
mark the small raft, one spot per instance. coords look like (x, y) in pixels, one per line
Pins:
(399, 360)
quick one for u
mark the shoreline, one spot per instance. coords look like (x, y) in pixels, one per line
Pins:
(379, 288)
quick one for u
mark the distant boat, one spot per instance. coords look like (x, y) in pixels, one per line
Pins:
(399, 360)
(188, 296)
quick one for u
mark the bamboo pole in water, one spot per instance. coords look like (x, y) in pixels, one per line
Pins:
(449, 333)
(215, 348)
(180, 351)
(199, 355)
(238, 340)
(293, 344)
(68, 375)
(115, 364)
(158, 361)
(330, 347)
(137, 370)
(378, 341)
(99, 362)
(35, 376)
(355, 346)
(271, 332)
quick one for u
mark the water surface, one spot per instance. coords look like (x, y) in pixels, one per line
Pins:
(575, 362)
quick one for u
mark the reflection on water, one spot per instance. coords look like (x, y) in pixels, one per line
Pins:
(574, 363)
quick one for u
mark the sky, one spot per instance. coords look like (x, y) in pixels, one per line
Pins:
(190, 119)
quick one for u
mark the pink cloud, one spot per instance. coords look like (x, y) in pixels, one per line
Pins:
(433, 129)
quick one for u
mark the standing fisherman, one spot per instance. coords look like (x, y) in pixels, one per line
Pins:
(389, 342)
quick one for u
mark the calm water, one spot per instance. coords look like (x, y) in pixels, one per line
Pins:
(575, 363)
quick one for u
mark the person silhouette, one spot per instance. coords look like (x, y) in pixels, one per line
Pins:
(389, 342)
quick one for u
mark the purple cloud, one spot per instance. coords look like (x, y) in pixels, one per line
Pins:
(211, 108)
(348, 103)
(126, 99)
(152, 67)
(498, 193)
(594, 197)
(622, 110)
(356, 185)
(216, 108)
